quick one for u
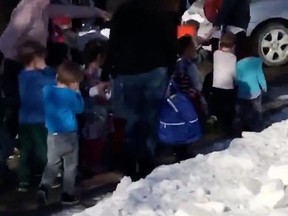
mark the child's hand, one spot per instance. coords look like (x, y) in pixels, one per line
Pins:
(200, 40)
(102, 87)
(75, 86)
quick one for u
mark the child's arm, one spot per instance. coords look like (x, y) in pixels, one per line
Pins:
(194, 75)
(77, 102)
(235, 70)
(94, 91)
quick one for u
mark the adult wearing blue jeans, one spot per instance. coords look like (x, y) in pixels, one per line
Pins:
(141, 53)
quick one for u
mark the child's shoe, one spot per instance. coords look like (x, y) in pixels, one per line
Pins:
(24, 187)
(212, 120)
(67, 199)
(211, 124)
(42, 195)
(57, 183)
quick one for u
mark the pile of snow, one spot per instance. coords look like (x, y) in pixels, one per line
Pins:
(249, 178)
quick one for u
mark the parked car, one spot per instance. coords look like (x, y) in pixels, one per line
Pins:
(268, 26)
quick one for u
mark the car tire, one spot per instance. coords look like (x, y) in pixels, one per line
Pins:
(273, 44)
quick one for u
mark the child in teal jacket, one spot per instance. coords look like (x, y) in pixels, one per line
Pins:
(251, 84)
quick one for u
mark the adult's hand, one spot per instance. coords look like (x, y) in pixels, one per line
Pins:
(101, 87)
(105, 15)
(210, 33)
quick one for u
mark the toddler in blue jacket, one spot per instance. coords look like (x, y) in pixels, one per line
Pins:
(32, 131)
(251, 84)
(62, 103)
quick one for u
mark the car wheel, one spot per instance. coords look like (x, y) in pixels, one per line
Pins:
(273, 44)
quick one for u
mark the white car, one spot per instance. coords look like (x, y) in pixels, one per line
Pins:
(268, 25)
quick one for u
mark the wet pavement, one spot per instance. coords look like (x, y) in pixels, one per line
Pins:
(56, 209)
(13, 203)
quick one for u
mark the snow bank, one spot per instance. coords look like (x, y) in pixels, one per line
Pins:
(249, 178)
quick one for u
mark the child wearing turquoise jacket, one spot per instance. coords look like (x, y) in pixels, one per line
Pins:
(250, 78)
(251, 84)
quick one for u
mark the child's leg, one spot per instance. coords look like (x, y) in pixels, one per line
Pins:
(244, 113)
(70, 161)
(40, 146)
(256, 106)
(26, 150)
(216, 102)
(223, 103)
(55, 151)
(229, 99)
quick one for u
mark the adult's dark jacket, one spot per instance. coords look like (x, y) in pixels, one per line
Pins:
(234, 13)
(142, 37)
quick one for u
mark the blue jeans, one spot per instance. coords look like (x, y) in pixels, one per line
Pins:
(137, 99)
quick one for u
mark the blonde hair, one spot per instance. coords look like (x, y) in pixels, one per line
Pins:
(227, 40)
(68, 73)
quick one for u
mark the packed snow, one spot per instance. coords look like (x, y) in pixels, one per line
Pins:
(248, 178)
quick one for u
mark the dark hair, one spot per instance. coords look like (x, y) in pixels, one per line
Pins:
(183, 43)
(69, 72)
(91, 51)
(57, 53)
(29, 50)
(227, 40)
(193, 23)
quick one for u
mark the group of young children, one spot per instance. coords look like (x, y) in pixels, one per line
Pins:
(50, 102)
(232, 92)
(63, 104)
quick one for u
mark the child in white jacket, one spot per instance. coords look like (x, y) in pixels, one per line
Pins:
(223, 91)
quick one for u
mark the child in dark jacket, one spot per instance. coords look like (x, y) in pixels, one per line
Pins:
(62, 102)
(94, 119)
(187, 77)
(32, 131)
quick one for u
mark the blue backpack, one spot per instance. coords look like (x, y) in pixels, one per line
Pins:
(178, 121)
